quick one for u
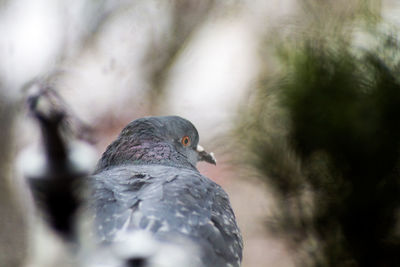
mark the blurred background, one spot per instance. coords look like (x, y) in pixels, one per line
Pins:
(298, 99)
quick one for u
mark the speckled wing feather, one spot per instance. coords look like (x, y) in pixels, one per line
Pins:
(173, 203)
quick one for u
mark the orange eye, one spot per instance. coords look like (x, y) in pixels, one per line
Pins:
(185, 141)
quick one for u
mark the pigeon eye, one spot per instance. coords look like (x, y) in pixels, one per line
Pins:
(185, 141)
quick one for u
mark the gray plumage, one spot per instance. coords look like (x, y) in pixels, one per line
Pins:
(147, 180)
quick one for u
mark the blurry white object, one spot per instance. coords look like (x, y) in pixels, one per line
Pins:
(142, 249)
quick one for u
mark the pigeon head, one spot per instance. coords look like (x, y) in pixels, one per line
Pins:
(166, 140)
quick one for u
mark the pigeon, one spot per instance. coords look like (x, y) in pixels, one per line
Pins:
(147, 181)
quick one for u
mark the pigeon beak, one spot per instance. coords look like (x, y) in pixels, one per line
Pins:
(205, 156)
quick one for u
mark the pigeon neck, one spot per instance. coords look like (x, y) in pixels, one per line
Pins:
(143, 153)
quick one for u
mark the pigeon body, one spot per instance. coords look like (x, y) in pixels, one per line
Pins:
(147, 180)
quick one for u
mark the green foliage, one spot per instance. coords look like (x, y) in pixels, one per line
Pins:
(334, 161)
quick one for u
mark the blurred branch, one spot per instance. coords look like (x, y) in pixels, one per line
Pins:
(186, 17)
(56, 108)
(13, 229)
